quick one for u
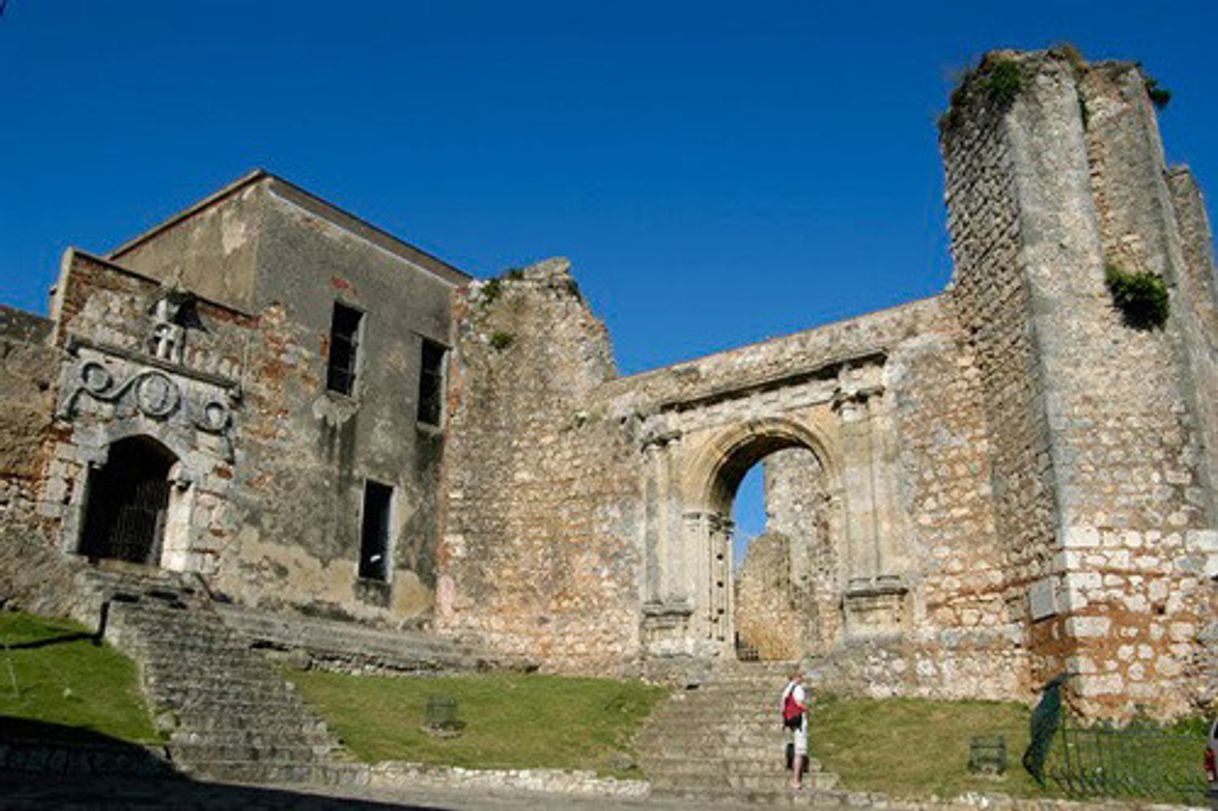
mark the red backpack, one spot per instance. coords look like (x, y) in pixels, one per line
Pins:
(792, 715)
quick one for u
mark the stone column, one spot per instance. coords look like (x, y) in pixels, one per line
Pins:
(859, 485)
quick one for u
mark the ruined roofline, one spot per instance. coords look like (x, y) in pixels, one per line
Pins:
(791, 337)
(315, 205)
(73, 252)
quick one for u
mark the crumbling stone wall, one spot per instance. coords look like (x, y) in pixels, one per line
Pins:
(768, 618)
(1115, 464)
(798, 505)
(539, 556)
(33, 575)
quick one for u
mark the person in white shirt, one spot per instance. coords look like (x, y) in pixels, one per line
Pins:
(797, 728)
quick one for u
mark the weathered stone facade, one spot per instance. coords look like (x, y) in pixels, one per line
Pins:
(967, 494)
(267, 463)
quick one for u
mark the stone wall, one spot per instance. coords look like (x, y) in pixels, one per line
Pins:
(992, 301)
(286, 256)
(1095, 422)
(798, 505)
(111, 386)
(540, 555)
(920, 573)
(768, 619)
(33, 575)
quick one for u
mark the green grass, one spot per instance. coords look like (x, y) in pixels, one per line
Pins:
(51, 671)
(918, 748)
(511, 720)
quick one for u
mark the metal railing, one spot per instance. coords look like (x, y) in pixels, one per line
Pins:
(1141, 760)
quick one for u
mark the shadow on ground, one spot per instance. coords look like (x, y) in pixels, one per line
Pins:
(49, 766)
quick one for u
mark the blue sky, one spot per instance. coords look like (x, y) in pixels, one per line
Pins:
(718, 172)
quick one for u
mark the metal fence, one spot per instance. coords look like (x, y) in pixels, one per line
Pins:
(1141, 760)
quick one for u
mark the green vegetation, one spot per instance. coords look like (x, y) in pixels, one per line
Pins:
(1159, 96)
(1141, 297)
(491, 290)
(502, 340)
(51, 671)
(1003, 83)
(511, 720)
(999, 82)
(918, 748)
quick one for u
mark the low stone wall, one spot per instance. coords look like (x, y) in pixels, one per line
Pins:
(397, 775)
(351, 648)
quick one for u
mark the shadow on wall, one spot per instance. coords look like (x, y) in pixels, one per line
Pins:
(46, 765)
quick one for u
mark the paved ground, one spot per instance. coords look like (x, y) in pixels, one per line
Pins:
(43, 793)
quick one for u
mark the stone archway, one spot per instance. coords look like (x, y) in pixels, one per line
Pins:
(129, 502)
(771, 607)
(710, 480)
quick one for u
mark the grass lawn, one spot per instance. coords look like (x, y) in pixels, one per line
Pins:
(918, 748)
(51, 671)
(511, 720)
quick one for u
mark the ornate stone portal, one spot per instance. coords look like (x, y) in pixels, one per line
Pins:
(698, 451)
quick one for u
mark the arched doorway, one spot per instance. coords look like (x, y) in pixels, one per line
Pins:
(128, 501)
(779, 598)
(784, 560)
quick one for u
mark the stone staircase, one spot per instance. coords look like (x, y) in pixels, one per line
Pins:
(229, 715)
(724, 741)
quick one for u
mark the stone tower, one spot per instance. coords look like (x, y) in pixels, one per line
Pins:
(1104, 433)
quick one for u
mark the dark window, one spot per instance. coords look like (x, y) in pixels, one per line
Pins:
(374, 535)
(431, 383)
(344, 349)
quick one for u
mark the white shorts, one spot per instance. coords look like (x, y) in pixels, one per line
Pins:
(800, 737)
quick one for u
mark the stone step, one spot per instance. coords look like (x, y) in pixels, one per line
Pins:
(168, 662)
(262, 772)
(180, 693)
(302, 735)
(186, 680)
(780, 796)
(185, 644)
(280, 753)
(192, 707)
(735, 750)
(718, 767)
(236, 718)
(726, 785)
(709, 740)
(292, 723)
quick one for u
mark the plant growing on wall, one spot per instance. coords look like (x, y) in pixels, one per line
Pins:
(1159, 95)
(502, 340)
(997, 80)
(1141, 297)
(1003, 83)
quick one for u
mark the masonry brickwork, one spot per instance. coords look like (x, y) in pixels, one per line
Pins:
(967, 494)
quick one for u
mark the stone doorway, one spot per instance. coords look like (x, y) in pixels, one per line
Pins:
(784, 563)
(128, 502)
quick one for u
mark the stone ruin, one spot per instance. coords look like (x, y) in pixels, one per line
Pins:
(970, 493)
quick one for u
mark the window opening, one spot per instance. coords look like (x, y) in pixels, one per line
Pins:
(374, 535)
(344, 349)
(431, 383)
